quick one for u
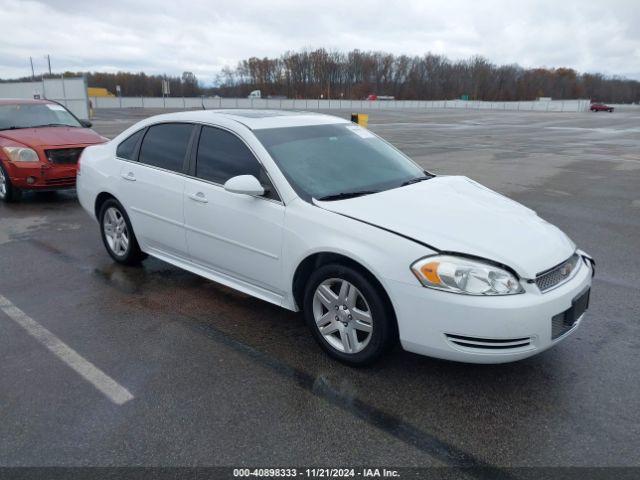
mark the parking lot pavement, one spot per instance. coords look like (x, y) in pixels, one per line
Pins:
(219, 378)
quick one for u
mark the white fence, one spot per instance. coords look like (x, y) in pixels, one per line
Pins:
(355, 105)
(71, 92)
(626, 107)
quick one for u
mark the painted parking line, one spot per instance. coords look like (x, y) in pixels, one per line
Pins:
(96, 377)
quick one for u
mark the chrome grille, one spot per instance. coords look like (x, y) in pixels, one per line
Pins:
(488, 343)
(558, 274)
(65, 156)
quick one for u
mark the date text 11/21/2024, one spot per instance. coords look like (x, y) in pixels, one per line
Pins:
(316, 472)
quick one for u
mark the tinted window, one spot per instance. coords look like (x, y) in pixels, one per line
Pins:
(165, 145)
(222, 155)
(127, 148)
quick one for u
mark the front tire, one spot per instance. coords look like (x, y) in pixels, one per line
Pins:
(117, 234)
(347, 314)
(8, 193)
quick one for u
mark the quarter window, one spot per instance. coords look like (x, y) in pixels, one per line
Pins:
(127, 148)
(165, 145)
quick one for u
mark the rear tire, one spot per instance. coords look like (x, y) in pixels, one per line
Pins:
(347, 314)
(8, 193)
(117, 234)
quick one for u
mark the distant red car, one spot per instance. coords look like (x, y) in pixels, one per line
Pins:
(40, 144)
(600, 107)
(374, 97)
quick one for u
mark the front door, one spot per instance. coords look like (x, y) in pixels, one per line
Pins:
(231, 234)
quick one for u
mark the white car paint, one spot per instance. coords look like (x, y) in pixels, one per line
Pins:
(154, 202)
(255, 245)
(459, 215)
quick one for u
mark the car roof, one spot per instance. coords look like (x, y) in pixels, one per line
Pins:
(252, 119)
(23, 101)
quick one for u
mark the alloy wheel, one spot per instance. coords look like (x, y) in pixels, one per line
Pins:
(342, 315)
(115, 231)
(3, 184)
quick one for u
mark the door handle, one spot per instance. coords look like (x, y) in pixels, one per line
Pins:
(128, 176)
(198, 197)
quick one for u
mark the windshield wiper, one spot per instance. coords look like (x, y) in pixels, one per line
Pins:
(13, 127)
(52, 125)
(345, 195)
(415, 180)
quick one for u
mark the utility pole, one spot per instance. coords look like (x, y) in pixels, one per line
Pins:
(33, 74)
(49, 63)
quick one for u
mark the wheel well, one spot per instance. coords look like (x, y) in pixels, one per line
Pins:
(103, 197)
(315, 261)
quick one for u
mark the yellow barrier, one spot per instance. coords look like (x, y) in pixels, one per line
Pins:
(361, 119)
(99, 92)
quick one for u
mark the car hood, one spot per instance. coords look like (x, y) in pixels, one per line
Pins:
(456, 214)
(53, 136)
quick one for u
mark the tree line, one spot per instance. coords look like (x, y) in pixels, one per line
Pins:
(135, 84)
(356, 74)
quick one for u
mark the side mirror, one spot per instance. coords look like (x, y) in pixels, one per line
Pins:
(86, 123)
(245, 185)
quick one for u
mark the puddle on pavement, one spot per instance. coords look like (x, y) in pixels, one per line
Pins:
(12, 228)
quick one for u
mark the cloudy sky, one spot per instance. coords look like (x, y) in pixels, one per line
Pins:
(159, 36)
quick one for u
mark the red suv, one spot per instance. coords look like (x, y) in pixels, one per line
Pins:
(40, 143)
(600, 107)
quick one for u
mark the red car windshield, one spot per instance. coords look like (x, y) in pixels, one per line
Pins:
(28, 115)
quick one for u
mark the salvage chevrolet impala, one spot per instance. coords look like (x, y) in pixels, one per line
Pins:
(314, 213)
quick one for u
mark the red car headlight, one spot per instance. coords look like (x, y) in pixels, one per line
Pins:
(21, 154)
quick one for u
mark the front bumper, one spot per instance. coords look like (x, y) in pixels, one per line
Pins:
(492, 329)
(41, 176)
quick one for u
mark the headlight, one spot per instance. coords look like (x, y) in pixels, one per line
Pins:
(466, 276)
(21, 154)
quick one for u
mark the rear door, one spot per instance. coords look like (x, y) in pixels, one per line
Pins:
(152, 188)
(235, 235)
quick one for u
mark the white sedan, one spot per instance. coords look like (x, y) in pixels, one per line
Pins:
(314, 213)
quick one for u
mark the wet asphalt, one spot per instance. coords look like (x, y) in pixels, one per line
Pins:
(219, 378)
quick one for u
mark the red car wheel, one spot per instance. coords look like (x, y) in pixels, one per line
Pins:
(8, 193)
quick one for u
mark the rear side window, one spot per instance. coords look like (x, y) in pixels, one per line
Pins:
(165, 146)
(222, 155)
(127, 147)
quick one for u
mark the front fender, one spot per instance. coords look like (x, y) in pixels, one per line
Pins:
(310, 230)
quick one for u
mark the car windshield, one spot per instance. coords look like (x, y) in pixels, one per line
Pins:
(332, 162)
(26, 115)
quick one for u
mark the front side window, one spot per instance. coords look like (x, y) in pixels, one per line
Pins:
(127, 148)
(222, 155)
(336, 161)
(33, 115)
(165, 146)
